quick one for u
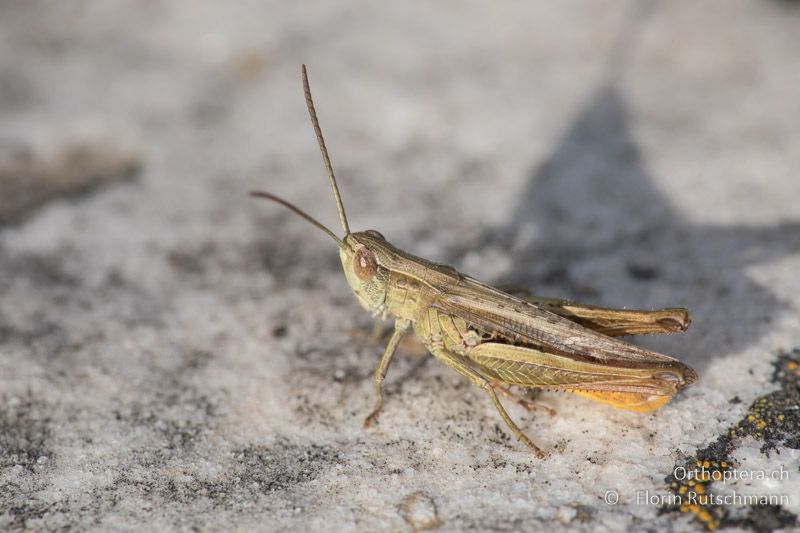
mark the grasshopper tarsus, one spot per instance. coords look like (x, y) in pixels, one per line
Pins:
(370, 420)
(495, 339)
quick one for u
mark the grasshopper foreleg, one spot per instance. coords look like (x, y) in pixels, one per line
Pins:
(454, 361)
(400, 329)
(377, 331)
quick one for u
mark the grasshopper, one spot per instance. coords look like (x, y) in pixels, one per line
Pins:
(498, 340)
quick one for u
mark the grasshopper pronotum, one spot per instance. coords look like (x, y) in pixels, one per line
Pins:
(498, 340)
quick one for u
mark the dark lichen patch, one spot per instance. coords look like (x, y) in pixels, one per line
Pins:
(38, 270)
(26, 514)
(282, 467)
(773, 419)
(270, 474)
(174, 422)
(173, 415)
(787, 370)
(177, 420)
(697, 488)
(39, 336)
(765, 519)
(176, 413)
(62, 298)
(25, 436)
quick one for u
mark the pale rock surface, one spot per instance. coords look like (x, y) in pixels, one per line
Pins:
(175, 355)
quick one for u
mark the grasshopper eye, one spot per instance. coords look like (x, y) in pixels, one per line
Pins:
(364, 264)
(375, 234)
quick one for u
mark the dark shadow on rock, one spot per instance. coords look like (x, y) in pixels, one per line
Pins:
(592, 207)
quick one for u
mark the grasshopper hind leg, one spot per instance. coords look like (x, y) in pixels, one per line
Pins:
(524, 399)
(454, 361)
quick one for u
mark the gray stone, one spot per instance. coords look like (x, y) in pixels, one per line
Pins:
(175, 355)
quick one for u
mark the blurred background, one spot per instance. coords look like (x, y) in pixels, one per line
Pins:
(175, 354)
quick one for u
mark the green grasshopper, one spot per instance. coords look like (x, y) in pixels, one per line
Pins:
(495, 339)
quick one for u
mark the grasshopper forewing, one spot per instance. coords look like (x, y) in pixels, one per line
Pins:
(498, 340)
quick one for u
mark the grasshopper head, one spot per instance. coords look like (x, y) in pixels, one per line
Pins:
(360, 255)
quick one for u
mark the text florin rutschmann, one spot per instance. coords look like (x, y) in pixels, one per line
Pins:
(692, 494)
(645, 497)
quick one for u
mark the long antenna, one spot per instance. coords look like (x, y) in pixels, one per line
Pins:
(298, 211)
(314, 122)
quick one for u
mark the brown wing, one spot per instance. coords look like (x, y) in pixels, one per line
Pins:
(492, 310)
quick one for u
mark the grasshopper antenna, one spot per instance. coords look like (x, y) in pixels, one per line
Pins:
(325, 158)
(298, 211)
